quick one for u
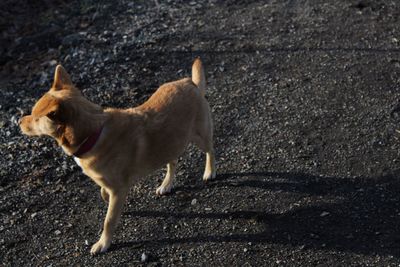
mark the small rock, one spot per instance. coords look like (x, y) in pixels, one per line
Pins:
(33, 215)
(324, 213)
(72, 39)
(14, 120)
(349, 236)
(144, 257)
(44, 78)
(86, 242)
(194, 201)
(57, 232)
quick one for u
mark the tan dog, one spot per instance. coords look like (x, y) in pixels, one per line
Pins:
(115, 147)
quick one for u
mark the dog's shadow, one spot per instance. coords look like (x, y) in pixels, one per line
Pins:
(361, 215)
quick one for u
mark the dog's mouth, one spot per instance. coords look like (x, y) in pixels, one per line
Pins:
(27, 130)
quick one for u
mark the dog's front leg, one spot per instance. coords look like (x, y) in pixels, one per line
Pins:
(115, 205)
(104, 195)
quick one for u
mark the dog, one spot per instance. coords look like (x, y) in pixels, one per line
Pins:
(115, 147)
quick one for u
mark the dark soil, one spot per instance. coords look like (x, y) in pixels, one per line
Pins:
(305, 98)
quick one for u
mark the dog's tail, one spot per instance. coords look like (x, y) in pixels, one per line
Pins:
(198, 76)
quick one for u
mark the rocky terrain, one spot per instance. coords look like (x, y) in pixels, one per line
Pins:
(305, 98)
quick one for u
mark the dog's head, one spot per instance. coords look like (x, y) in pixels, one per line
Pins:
(50, 113)
(60, 113)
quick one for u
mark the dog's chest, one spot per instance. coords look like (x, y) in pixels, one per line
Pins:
(95, 176)
(78, 162)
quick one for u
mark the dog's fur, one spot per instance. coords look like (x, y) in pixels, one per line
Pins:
(133, 142)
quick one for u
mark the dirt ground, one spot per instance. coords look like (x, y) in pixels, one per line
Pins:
(305, 98)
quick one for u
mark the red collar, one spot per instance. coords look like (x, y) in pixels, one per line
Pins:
(88, 144)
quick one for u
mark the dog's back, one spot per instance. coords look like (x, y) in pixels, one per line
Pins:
(175, 114)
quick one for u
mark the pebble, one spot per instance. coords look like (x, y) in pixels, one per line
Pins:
(72, 39)
(194, 201)
(144, 257)
(57, 232)
(324, 213)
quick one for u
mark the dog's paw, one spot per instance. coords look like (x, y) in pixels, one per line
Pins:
(163, 190)
(100, 247)
(209, 175)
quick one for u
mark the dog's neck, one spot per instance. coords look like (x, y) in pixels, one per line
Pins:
(79, 140)
(88, 119)
(88, 143)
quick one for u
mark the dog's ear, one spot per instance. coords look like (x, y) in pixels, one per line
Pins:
(62, 80)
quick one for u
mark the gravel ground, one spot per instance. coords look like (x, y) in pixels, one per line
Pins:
(305, 98)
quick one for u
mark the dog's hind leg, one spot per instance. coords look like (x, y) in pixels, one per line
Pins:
(206, 145)
(210, 172)
(166, 185)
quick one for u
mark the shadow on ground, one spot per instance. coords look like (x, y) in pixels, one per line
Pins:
(360, 220)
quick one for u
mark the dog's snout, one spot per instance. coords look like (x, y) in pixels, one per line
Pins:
(22, 120)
